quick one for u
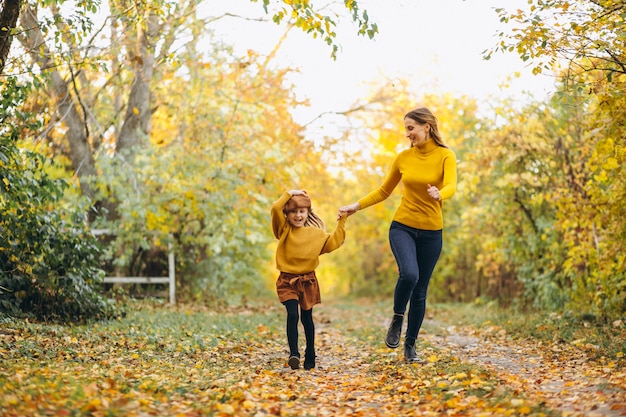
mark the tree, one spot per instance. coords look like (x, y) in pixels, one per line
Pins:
(584, 36)
(71, 114)
(584, 43)
(100, 89)
(143, 43)
(9, 14)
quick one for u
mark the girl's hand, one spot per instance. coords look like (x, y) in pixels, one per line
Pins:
(297, 192)
(434, 192)
(348, 210)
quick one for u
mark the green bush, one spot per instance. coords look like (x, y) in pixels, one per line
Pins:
(49, 267)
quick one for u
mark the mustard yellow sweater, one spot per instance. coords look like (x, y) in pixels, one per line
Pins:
(417, 167)
(299, 248)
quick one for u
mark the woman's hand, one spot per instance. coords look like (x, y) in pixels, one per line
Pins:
(348, 210)
(434, 192)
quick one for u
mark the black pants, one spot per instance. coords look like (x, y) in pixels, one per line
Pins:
(293, 307)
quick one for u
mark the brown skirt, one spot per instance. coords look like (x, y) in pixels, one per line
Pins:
(301, 287)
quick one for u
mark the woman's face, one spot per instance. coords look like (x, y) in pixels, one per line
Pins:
(416, 132)
(298, 217)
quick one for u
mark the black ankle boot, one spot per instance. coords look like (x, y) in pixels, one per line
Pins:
(294, 361)
(395, 328)
(309, 360)
(410, 355)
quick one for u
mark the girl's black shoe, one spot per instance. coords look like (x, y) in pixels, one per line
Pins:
(309, 361)
(294, 362)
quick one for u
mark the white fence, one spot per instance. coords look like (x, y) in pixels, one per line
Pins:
(170, 279)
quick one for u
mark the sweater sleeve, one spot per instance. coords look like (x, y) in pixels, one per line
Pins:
(336, 239)
(385, 190)
(448, 187)
(278, 218)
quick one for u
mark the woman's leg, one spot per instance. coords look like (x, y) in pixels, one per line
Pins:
(309, 332)
(429, 244)
(402, 242)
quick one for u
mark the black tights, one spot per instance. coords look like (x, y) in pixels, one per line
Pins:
(292, 307)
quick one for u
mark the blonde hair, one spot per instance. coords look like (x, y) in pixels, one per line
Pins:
(422, 116)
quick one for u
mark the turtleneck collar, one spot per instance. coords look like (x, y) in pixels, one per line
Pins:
(427, 147)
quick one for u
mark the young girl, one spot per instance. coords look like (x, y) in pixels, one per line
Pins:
(302, 238)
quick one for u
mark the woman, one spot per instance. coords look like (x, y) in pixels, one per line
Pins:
(428, 172)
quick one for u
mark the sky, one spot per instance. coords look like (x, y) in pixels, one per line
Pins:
(435, 44)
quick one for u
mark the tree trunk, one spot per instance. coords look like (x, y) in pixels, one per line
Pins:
(135, 131)
(8, 19)
(81, 154)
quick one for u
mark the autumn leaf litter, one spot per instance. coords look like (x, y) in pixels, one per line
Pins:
(196, 362)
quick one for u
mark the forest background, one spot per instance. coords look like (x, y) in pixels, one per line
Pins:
(131, 117)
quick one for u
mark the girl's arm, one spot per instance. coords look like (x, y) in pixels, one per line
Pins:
(278, 218)
(336, 239)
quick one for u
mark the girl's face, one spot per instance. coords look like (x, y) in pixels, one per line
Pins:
(416, 132)
(298, 217)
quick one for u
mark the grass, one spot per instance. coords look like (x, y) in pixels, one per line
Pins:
(601, 339)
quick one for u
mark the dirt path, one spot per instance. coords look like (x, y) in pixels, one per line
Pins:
(365, 380)
(336, 387)
(561, 377)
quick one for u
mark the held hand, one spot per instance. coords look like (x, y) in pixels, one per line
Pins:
(348, 210)
(434, 192)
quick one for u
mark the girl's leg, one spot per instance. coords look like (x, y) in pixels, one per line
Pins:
(309, 332)
(292, 326)
(429, 244)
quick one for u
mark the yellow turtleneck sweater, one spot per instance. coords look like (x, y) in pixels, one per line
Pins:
(417, 167)
(299, 248)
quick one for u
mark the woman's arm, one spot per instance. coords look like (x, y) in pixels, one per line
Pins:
(448, 187)
(381, 193)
